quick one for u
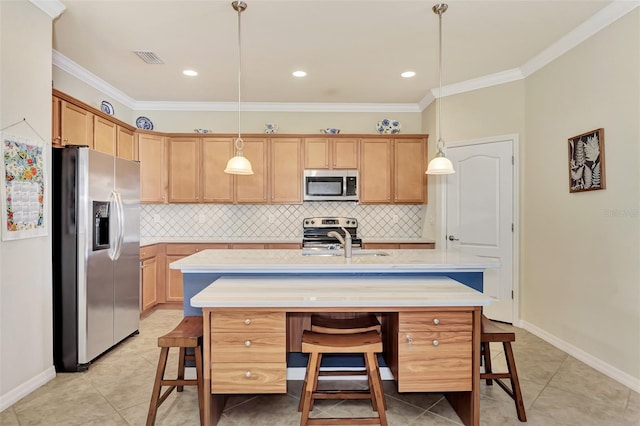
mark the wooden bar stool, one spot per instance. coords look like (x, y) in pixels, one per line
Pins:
(187, 334)
(492, 333)
(317, 344)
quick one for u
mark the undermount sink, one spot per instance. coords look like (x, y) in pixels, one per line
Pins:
(340, 252)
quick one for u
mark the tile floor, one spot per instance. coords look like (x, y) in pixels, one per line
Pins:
(558, 390)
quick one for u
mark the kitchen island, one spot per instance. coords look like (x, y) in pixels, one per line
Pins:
(412, 291)
(430, 328)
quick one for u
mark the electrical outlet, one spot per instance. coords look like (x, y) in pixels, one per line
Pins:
(156, 218)
(395, 218)
(201, 218)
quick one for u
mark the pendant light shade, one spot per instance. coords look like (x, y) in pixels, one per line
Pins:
(239, 165)
(440, 164)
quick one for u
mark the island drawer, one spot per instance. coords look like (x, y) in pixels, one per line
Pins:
(230, 378)
(244, 321)
(435, 321)
(434, 362)
(248, 347)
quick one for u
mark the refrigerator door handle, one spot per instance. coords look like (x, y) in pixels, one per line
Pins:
(113, 225)
(120, 229)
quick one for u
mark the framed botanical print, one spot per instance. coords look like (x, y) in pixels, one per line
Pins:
(586, 161)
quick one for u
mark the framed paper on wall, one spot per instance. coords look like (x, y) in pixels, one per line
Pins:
(586, 161)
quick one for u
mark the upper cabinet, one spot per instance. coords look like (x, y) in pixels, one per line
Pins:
(184, 170)
(331, 153)
(152, 153)
(392, 170)
(252, 189)
(217, 186)
(72, 125)
(286, 171)
(125, 146)
(105, 135)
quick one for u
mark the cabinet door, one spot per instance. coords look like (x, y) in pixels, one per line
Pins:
(217, 186)
(375, 171)
(410, 180)
(149, 281)
(252, 189)
(105, 135)
(184, 170)
(344, 154)
(286, 171)
(125, 144)
(76, 125)
(56, 136)
(174, 280)
(152, 153)
(316, 153)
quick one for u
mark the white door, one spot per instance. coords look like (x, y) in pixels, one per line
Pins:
(480, 214)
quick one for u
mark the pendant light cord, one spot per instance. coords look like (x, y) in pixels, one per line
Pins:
(239, 144)
(440, 142)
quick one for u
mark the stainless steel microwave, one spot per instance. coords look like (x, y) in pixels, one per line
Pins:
(330, 185)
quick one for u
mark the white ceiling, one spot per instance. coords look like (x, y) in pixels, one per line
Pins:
(353, 51)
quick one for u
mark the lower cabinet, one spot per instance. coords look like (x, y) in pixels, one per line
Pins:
(435, 351)
(393, 246)
(248, 352)
(148, 277)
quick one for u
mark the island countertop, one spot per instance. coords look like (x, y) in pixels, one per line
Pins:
(373, 292)
(293, 261)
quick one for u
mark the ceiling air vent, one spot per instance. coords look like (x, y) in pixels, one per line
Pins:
(148, 56)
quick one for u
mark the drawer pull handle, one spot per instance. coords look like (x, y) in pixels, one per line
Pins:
(247, 343)
(436, 343)
(247, 374)
(436, 321)
(409, 339)
(247, 321)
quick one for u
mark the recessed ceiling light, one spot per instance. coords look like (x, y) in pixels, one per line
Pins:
(408, 74)
(190, 73)
(299, 73)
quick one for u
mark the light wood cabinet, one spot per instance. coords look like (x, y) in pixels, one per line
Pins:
(252, 189)
(248, 352)
(395, 246)
(286, 171)
(76, 125)
(375, 171)
(217, 186)
(393, 171)
(435, 351)
(105, 135)
(126, 147)
(184, 170)
(149, 277)
(152, 153)
(330, 153)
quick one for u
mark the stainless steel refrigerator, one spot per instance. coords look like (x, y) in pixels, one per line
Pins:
(96, 261)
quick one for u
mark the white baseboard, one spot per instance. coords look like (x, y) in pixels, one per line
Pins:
(597, 364)
(15, 394)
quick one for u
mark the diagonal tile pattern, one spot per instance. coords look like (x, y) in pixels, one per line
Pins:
(558, 391)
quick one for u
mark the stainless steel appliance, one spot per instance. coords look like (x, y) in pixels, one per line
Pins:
(315, 230)
(330, 185)
(96, 261)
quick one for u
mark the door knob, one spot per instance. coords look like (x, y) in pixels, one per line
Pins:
(452, 238)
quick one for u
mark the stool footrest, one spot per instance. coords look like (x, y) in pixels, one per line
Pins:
(339, 421)
(336, 394)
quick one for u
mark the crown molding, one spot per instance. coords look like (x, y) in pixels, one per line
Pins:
(275, 107)
(53, 8)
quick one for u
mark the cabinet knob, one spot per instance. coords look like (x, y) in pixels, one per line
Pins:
(436, 343)
(247, 343)
(436, 321)
(247, 374)
(409, 339)
(247, 321)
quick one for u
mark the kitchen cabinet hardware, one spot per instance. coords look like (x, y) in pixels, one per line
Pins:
(436, 343)
(436, 321)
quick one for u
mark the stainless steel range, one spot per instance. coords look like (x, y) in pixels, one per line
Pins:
(317, 228)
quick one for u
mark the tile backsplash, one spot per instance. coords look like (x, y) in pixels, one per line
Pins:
(276, 221)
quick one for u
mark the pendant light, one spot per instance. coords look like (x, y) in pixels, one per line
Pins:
(440, 165)
(239, 165)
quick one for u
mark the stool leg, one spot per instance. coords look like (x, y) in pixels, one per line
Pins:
(201, 391)
(157, 386)
(181, 367)
(487, 361)
(515, 383)
(312, 383)
(369, 369)
(376, 390)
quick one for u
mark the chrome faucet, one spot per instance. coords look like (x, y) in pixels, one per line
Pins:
(346, 241)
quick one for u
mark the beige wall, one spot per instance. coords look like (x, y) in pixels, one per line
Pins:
(26, 359)
(581, 251)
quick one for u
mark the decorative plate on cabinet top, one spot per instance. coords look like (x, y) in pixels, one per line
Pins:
(330, 131)
(144, 123)
(106, 107)
(203, 131)
(388, 126)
